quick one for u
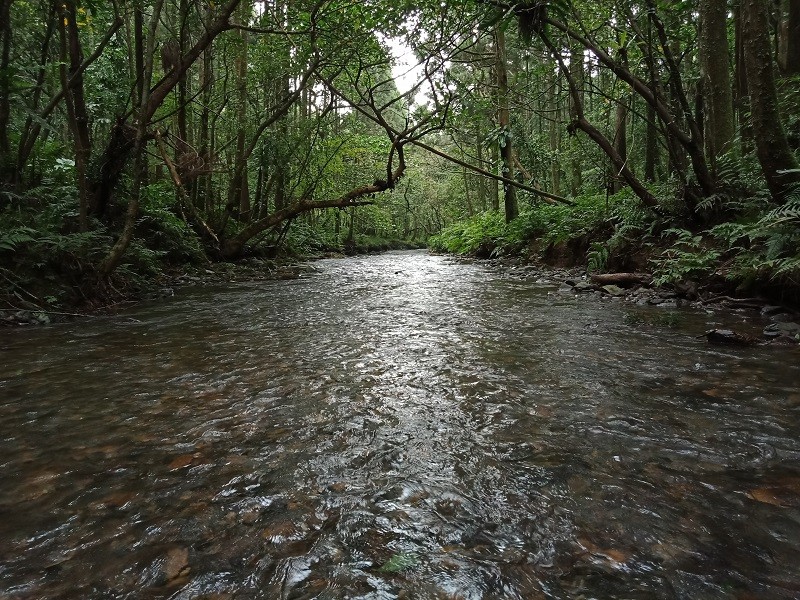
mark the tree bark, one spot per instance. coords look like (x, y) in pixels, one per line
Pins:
(553, 133)
(777, 162)
(504, 121)
(78, 116)
(576, 71)
(620, 140)
(715, 79)
(789, 38)
(239, 191)
(5, 84)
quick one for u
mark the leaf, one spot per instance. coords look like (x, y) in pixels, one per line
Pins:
(399, 562)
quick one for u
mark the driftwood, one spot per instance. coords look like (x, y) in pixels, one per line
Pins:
(621, 278)
(743, 302)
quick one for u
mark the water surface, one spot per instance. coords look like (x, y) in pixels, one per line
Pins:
(396, 426)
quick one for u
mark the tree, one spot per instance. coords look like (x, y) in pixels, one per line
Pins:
(504, 124)
(789, 37)
(780, 167)
(715, 79)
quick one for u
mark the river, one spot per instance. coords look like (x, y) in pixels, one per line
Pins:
(397, 426)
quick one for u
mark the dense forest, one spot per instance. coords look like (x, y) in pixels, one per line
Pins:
(142, 136)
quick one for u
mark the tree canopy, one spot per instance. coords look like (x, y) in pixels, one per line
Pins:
(134, 132)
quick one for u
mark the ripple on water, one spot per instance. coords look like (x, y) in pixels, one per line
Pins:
(396, 426)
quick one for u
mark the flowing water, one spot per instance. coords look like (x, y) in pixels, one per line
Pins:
(398, 426)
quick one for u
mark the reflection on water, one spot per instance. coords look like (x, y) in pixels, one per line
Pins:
(399, 426)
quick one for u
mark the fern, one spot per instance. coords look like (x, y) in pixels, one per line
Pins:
(597, 258)
(787, 267)
(11, 239)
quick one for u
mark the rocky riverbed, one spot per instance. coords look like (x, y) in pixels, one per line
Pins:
(762, 320)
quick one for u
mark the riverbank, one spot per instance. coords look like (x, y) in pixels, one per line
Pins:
(752, 252)
(764, 321)
(53, 299)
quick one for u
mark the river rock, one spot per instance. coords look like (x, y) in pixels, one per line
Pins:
(728, 337)
(781, 317)
(27, 317)
(613, 290)
(176, 563)
(785, 328)
(583, 286)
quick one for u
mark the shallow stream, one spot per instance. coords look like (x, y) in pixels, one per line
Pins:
(397, 426)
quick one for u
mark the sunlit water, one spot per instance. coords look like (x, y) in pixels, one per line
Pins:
(399, 426)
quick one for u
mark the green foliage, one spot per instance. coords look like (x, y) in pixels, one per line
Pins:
(688, 257)
(479, 235)
(163, 232)
(303, 239)
(597, 257)
(487, 234)
(16, 236)
(402, 561)
(765, 245)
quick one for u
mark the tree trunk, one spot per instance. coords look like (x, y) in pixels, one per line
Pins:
(715, 79)
(554, 128)
(582, 124)
(576, 71)
(239, 191)
(690, 142)
(789, 38)
(778, 164)
(504, 121)
(205, 185)
(741, 93)
(118, 151)
(76, 107)
(467, 198)
(651, 154)
(184, 143)
(133, 141)
(494, 191)
(5, 86)
(481, 185)
(620, 141)
(651, 146)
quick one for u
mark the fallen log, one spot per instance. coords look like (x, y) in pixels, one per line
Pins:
(627, 279)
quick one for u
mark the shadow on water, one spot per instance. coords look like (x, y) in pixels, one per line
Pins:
(399, 426)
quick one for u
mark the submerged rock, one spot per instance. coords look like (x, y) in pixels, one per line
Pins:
(614, 290)
(176, 563)
(783, 328)
(728, 337)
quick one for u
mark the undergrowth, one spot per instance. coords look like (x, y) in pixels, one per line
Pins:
(488, 235)
(750, 243)
(47, 263)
